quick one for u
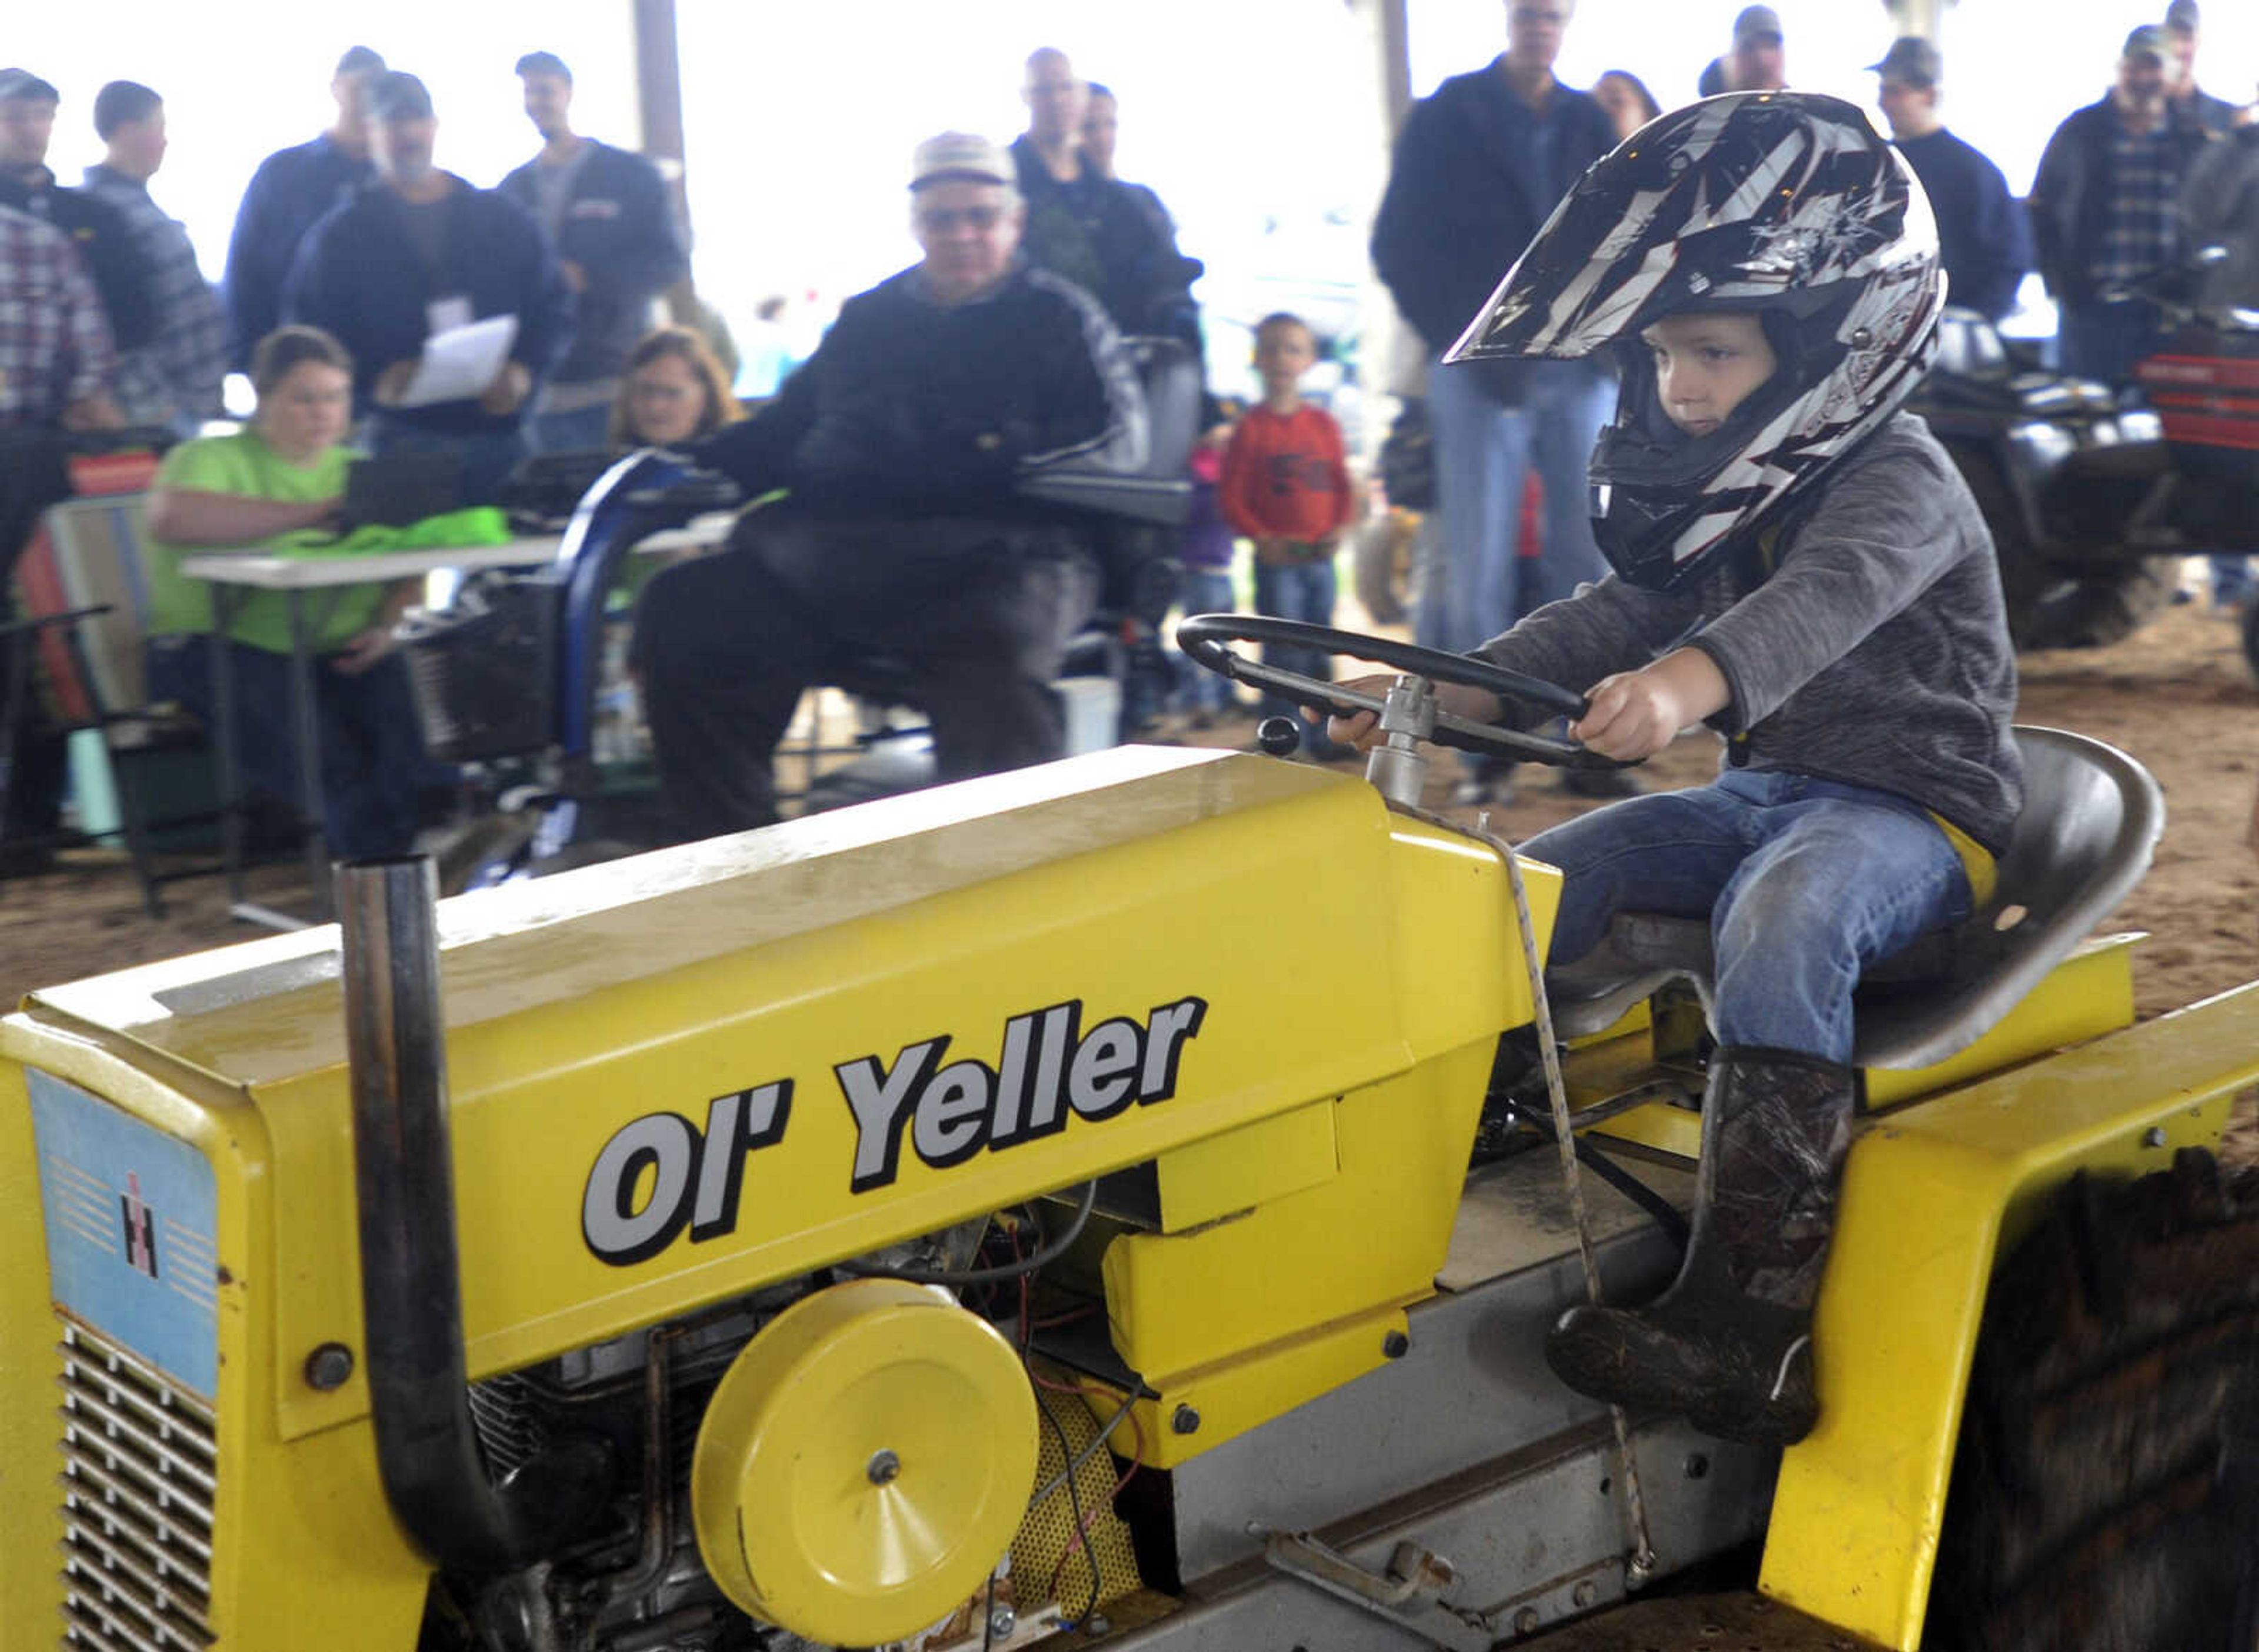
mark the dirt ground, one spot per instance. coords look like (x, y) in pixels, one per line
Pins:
(2177, 695)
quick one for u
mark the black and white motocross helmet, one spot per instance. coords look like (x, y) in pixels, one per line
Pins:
(1785, 205)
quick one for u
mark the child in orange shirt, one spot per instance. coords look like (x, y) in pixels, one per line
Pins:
(1286, 486)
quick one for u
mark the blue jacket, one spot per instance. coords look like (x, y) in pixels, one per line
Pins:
(358, 276)
(1983, 238)
(619, 228)
(288, 195)
(1470, 189)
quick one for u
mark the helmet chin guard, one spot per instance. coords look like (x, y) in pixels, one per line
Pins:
(1785, 205)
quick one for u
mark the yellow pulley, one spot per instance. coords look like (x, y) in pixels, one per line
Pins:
(864, 1464)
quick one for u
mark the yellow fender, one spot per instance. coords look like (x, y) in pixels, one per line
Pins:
(1931, 1195)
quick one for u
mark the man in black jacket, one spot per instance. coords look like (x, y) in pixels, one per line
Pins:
(292, 191)
(1983, 238)
(1085, 227)
(417, 253)
(1480, 166)
(2104, 208)
(606, 212)
(2183, 23)
(100, 232)
(907, 444)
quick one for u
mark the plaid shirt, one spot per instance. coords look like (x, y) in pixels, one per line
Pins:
(54, 341)
(175, 377)
(2139, 231)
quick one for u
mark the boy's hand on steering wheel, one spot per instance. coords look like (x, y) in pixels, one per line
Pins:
(1634, 714)
(1476, 705)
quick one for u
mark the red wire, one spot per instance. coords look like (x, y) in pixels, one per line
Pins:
(1081, 1540)
(1082, 1531)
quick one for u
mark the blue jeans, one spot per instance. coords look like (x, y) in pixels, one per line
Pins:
(488, 456)
(1804, 883)
(1484, 451)
(1204, 591)
(2107, 342)
(2102, 341)
(1296, 591)
(372, 757)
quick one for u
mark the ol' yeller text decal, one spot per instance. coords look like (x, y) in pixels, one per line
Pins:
(1047, 1068)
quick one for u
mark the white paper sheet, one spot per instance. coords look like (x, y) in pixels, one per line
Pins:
(460, 362)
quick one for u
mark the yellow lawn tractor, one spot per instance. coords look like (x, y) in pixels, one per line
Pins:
(1117, 1204)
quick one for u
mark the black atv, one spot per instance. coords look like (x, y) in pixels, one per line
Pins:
(2093, 493)
(2063, 468)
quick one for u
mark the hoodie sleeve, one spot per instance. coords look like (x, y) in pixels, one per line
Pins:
(1605, 628)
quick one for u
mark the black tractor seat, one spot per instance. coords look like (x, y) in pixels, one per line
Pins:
(2091, 821)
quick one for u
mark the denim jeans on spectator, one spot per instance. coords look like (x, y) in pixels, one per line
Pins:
(1204, 591)
(1483, 453)
(586, 429)
(488, 456)
(1296, 591)
(2105, 342)
(1478, 583)
(372, 757)
(1804, 883)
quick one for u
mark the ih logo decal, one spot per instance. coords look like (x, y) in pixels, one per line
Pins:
(140, 1227)
(1048, 1069)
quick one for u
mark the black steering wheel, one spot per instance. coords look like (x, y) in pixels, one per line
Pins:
(1205, 636)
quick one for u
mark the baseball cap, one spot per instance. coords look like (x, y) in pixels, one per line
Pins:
(359, 60)
(2183, 16)
(399, 95)
(960, 155)
(1756, 23)
(1912, 60)
(17, 84)
(2150, 40)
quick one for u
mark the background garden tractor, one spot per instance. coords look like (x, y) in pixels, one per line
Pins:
(1039, 1209)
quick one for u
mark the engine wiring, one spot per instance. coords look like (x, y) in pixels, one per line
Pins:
(1084, 1522)
(1066, 1447)
(1019, 1268)
(1050, 1487)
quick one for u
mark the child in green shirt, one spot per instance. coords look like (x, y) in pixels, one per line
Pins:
(272, 486)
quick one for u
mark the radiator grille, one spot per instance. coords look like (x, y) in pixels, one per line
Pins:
(140, 1455)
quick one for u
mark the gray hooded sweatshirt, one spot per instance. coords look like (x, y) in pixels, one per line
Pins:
(1876, 654)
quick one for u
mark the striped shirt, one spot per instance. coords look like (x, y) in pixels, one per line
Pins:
(55, 340)
(175, 379)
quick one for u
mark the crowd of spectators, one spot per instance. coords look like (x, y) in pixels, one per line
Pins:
(920, 405)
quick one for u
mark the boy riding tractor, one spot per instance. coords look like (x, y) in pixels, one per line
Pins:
(647, 1287)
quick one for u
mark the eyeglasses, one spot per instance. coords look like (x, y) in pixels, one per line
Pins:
(942, 220)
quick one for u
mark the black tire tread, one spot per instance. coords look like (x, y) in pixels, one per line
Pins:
(2054, 605)
(2087, 1511)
